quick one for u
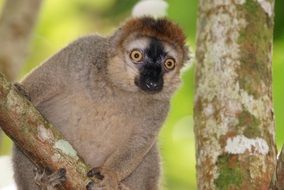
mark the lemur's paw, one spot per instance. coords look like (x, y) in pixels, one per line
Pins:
(48, 180)
(90, 185)
(95, 172)
(107, 180)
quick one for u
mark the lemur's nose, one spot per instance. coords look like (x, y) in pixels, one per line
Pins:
(151, 85)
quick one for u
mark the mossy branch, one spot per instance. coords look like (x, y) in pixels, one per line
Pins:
(38, 139)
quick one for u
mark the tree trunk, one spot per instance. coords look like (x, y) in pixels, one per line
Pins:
(16, 26)
(38, 139)
(233, 113)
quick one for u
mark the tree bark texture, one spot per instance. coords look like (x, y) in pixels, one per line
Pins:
(233, 113)
(41, 142)
(16, 26)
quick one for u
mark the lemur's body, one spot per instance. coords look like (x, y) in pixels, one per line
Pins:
(104, 107)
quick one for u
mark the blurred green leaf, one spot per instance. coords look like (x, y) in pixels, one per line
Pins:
(1, 5)
(279, 19)
(278, 90)
(121, 7)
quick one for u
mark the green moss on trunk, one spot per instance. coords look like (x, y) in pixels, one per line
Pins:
(250, 124)
(255, 42)
(230, 173)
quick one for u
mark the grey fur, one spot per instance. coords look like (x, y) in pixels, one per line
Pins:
(111, 127)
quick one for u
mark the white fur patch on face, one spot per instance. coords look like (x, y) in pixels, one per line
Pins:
(140, 43)
(171, 51)
(143, 43)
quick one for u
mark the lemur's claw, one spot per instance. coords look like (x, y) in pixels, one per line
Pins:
(90, 185)
(95, 172)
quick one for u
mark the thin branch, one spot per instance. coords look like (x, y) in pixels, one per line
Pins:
(41, 142)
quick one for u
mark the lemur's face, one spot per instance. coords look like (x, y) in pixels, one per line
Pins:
(152, 60)
(147, 56)
(147, 64)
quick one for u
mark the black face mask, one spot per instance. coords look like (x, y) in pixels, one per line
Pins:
(151, 72)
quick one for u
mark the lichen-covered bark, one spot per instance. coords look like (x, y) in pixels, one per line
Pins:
(41, 142)
(233, 114)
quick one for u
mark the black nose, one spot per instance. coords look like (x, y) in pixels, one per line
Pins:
(151, 79)
(152, 85)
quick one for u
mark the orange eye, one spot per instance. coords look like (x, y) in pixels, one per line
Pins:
(170, 64)
(136, 56)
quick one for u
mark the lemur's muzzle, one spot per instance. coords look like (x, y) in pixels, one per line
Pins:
(150, 79)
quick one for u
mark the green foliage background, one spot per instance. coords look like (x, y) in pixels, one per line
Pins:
(61, 22)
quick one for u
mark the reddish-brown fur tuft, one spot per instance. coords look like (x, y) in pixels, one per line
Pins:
(162, 29)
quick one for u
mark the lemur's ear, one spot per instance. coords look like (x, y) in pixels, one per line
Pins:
(187, 56)
(152, 8)
(116, 41)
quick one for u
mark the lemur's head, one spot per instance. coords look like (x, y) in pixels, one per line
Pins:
(147, 55)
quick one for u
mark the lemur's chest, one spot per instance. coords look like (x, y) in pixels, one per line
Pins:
(95, 127)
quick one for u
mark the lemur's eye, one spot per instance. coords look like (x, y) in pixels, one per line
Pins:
(170, 64)
(136, 55)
